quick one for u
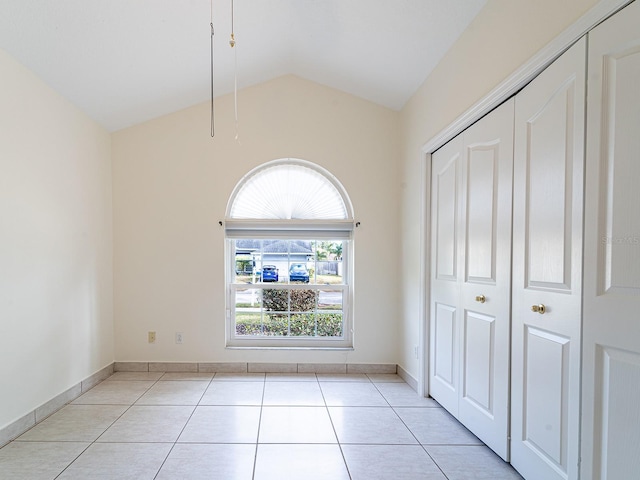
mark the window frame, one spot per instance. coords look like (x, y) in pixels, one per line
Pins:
(290, 229)
(261, 341)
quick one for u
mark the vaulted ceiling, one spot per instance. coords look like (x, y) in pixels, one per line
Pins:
(126, 61)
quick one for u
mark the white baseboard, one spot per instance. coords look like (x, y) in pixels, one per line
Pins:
(17, 428)
(256, 367)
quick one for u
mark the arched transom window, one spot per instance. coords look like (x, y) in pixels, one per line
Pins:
(289, 231)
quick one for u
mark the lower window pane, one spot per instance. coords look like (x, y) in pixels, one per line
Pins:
(330, 300)
(329, 325)
(303, 324)
(276, 324)
(247, 299)
(248, 323)
(289, 312)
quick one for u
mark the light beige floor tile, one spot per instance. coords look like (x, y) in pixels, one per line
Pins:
(153, 376)
(367, 425)
(118, 461)
(148, 423)
(308, 462)
(114, 392)
(296, 425)
(239, 377)
(293, 393)
(75, 423)
(377, 441)
(340, 394)
(383, 462)
(187, 376)
(402, 395)
(174, 393)
(291, 377)
(207, 462)
(222, 424)
(435, 426)
(471, 463)
(37, 460)
(233, 393)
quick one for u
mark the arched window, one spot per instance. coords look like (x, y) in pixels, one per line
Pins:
(289, 228)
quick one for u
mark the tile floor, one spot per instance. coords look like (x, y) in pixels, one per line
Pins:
(250, 426)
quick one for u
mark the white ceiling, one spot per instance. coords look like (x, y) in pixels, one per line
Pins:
(126, 61)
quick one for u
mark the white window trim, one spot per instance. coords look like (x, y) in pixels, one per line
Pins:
(293, 229)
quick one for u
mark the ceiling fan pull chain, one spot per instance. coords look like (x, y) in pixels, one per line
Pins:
(212, 77)
(232, 43)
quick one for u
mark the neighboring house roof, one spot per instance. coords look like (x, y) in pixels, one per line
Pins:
(274, 246)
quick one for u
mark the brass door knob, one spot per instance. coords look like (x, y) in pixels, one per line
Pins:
(539, 308)
(481, 298)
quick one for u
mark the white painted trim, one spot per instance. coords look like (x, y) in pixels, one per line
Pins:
(425, 285)
(24, 423)
(257, 367)
(527, 72)
(408, 378)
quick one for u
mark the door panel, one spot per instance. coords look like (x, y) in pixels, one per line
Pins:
(471, 186)
(546, 366)
(619, 415)
(547, 259)
(446, 254)
(620, 105)
(486, 280)
(444, 351)
(549, 160)
(479, 348)
(611, 347)
(481, 218)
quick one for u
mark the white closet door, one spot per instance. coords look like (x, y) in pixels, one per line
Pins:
(611, 378)
(471, 271)
(444, 364)
(486, 278)
(547, 274)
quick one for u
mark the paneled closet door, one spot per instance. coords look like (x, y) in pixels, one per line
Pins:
(547, 273)
(611, 342)
(444, 359)
(486, 278)
(470, 297)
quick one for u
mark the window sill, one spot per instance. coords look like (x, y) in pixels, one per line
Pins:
(283, 347)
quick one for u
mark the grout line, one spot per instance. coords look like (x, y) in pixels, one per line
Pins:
(255, 455)
(195, 407)
(344, 459)
(321, 385)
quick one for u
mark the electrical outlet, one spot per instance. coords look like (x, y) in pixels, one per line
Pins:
(178, 337)
(152, 337)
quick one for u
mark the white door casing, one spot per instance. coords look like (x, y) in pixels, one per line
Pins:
(471, 279)
(611, 335)
(547, 260)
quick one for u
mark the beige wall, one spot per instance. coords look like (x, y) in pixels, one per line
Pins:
(171, 187)
(56, 319)
(504, 35)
